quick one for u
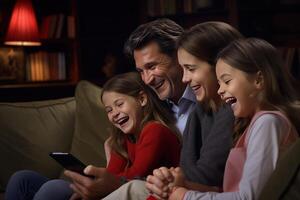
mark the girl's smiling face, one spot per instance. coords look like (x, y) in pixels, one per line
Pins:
(124, 112)
(239, 89)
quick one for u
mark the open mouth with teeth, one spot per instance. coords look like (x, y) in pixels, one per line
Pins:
(158, 85)
(230, 100)
(122, 120)
(196, 87)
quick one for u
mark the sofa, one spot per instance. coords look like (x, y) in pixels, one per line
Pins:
(29, 131)
(284, 183)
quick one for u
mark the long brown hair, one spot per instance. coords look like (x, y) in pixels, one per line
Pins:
(131, 84)
(254, 55)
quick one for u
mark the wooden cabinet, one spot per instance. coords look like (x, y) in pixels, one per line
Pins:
(54, 64)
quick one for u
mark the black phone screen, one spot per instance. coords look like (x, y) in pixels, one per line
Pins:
(68, 161)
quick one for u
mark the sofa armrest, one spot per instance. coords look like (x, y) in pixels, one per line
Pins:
(91, 125)
(284, 182)
(29, 131)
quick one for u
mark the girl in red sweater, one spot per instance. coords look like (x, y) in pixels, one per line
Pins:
(143, 136)
(142, 139)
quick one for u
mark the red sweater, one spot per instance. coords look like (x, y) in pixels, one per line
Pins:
(157, 146)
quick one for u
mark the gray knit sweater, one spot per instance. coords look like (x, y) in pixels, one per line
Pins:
(207, 140)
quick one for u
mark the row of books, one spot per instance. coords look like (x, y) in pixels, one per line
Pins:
(170, 7)
(161, 7)
(192, 6)
(45, 66)
(57, 26)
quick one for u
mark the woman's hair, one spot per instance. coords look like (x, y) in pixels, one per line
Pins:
(132, 85)
(205, 40)
(254, 55)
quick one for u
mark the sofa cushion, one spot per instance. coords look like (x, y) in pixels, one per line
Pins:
(284, 182)
(29, 131)
(91, 125)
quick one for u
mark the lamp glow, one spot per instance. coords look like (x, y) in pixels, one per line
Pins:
(23, 28)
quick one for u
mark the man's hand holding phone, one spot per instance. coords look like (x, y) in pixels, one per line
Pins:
(88, 182)
(103, 183)
(69, 162)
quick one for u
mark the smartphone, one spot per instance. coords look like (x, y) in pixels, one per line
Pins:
(69, 162)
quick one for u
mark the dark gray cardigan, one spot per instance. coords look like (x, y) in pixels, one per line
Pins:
(207, 140)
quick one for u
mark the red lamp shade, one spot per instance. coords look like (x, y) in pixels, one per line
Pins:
(23, 28)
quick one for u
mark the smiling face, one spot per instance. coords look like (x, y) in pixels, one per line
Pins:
(124, 112)
(199, 75)
(239, 89)
(159, 71)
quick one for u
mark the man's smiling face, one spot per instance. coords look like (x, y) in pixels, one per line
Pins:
(159, 71)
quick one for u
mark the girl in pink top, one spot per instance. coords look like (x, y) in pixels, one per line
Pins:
(253, 81)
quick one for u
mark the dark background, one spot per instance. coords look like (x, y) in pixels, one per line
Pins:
(103, 29)
(104, 26)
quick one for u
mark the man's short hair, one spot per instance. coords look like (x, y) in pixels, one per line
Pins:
(164, 32)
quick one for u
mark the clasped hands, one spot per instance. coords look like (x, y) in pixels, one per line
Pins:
(167, 183)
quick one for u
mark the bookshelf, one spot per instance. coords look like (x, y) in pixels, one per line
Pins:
(189, 12)
(276, 21)
(53, 67)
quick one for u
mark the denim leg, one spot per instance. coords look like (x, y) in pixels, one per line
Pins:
(23, 184)
(57, 189)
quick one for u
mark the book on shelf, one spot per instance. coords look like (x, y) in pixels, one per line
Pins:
(45, 66)
(44, 28)
(53, 26)
(60, 25)
(61, 66)
(161, 7)
(71, 29)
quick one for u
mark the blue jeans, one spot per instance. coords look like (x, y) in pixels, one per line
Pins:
(27, 185)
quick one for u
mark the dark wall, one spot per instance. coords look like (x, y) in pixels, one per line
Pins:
(103, 30)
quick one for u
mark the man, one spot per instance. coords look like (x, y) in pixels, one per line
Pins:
(153, 48)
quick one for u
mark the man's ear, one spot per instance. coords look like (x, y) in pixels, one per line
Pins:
(143, 98)
(259, 81)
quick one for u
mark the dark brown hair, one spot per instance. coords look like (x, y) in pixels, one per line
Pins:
(254, 55)
(164, 32)
(205, 40)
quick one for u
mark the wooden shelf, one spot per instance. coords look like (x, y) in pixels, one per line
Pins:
(36, 92)
(39, 84)
(52, 66)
